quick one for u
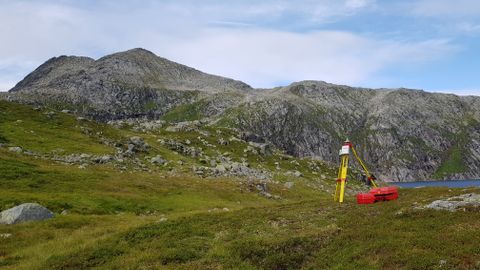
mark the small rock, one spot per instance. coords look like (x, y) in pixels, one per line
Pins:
(15, 149)
(262, 187)
(288, 185)
(266, 195)
(226, 209)
(162, 219)
(49, 114)
(297, 174)
(234, 139)
(158, 160)
(105, 158)
(5, 235)
(65, 212)
(83, 155)
(222, 141)
(221, 168)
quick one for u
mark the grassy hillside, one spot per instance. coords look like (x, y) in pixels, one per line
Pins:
(130, 213)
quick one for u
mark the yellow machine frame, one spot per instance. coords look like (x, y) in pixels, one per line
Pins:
(343, 170)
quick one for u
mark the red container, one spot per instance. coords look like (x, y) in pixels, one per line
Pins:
(385, 193)
(392, 196)
(365, 198)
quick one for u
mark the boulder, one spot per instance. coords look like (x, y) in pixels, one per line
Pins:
(25, 212)
(455, 203)
(15, 149)
(137, 144)
(297, 174)
(158, 160)
(220, 169)
(289, 185)
(222, 141)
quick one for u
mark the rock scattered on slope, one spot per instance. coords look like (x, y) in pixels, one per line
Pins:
(470, 200)
(138, 124)
(289, 185)
(136, 144)
(15, 149)
(158, 160)
(25, 212)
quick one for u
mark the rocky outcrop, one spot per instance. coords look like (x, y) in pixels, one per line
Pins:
(25, 212)
(461, 202)
(402, 134)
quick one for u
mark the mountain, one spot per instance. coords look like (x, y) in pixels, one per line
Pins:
(402, 134)
(122, 85)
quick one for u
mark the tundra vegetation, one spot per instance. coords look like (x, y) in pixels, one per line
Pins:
(190, 195)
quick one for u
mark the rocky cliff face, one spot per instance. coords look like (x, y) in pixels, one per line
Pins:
(403, 134)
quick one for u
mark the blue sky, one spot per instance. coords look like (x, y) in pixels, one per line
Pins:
(425, 44)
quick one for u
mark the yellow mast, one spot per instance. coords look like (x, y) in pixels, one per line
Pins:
(343, 170)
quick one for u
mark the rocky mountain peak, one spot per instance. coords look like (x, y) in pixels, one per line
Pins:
(404, 134)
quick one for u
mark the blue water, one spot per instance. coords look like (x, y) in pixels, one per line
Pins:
(444, 183)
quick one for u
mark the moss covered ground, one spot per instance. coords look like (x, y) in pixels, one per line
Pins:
(167, 218)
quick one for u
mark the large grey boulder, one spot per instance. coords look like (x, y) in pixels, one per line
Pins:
(25, 212)
(455, 203)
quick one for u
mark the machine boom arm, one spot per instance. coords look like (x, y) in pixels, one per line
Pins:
(370, 177)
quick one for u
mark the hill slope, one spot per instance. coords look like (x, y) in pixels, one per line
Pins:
(403, 134)
(118, 206)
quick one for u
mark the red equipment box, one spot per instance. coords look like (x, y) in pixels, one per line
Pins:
(384, 193)
(365, 198)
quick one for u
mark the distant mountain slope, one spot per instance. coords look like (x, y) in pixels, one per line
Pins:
(126, 84)
(403, 134)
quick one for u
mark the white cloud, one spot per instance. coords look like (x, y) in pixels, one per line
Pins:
(446, 8)
(468, 28)
(227, 38)
(355, 4)
(262, 57)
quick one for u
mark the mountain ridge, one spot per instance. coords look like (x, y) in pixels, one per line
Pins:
(405, 134)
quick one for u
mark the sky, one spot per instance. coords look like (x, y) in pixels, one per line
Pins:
(425, 44)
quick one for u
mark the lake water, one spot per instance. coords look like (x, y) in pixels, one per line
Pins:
(443, 183)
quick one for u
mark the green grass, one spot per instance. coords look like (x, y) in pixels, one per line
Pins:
(310, 234)
(21, 125)
(453, 159)
(169, 219)
(186, 112)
